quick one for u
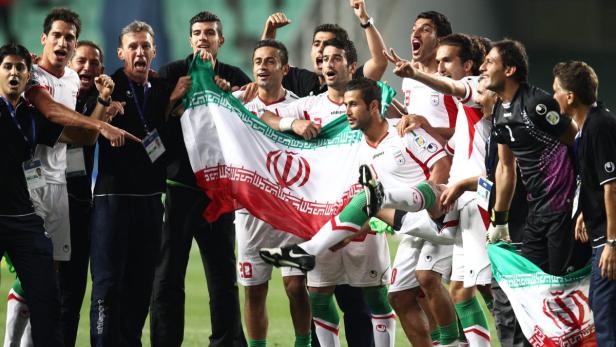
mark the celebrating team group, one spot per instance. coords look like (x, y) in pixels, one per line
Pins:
(472, 155)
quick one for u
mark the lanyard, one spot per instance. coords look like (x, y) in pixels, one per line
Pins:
(141, 108)
(13, 114)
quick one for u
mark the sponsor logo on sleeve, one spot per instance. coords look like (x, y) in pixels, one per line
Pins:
(541, 109)
(609, 167)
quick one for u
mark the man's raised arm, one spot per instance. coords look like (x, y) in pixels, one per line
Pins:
(375, 67)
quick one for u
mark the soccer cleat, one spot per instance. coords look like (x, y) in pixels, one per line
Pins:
(292, 256)
(372, 188)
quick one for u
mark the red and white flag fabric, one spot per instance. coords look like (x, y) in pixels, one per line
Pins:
(291, 183)
(552, 311)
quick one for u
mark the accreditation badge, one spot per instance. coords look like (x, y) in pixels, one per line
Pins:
(33, 171)
(153, 145)
(484, 189)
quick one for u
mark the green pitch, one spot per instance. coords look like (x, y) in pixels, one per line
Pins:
(197, 329)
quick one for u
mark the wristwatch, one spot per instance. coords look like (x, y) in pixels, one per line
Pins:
(368, 23)
(611, 243)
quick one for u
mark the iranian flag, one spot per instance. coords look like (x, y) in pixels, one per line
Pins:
(240, 162)
(551, 310)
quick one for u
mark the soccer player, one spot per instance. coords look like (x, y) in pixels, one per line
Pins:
(305, 117)
(184, 205)
(459, 58)
(531, 132)
(440, 110)
(270, 64)
(575, 91)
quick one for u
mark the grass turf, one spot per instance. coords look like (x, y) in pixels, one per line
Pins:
(197, 329)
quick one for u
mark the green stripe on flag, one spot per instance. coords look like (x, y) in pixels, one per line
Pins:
(518, 272)
(205, 92)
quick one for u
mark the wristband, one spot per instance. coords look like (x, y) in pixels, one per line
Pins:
(285, 124)
(499, 218)
(104, 102)
(368, 23)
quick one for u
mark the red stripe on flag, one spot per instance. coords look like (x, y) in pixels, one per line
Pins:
(267, 202)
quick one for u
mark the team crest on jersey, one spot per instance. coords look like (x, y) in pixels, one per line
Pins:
(431, 147)
(434, 99)
(399, 157)
(552, 117)
(420, 141)
(609, 167)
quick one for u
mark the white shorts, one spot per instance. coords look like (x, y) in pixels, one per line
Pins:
(360, 264)
(253, 234)
(51, 203)
(471, 264)
(417, 254)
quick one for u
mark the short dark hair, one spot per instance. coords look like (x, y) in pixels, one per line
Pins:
(370, 90)
(282, 50)
(205, 16)
(18, 50)
(467, 49)
(579, 78)
(350, 52)
(90, 44)
(135, 26)
(443, 27)
(513, 54)
(335, 29)
(65, 15)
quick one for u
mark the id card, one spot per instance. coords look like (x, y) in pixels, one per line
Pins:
(153, 145)
(75, 162)
(33, 171)
(484, 189)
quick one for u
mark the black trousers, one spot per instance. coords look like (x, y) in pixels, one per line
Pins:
(23, 238)
(125, 235)
(73, 274)
(549, 242)
(183, 222)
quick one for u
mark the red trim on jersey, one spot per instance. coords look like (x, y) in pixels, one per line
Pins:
(51, 73)
(451, 223)
(434, 155)
(484, 216)
(423, 166)
(473, 116)
(306, 115)
(450, 149)
(477, 332)
(284, 97)
(335, 103)
(376, 144)
(326, 327)
(452, 110)
(469, 90)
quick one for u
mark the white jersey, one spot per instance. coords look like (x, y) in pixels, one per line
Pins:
(468, 144)
(439, 109)
(319, 109)
(63, 90)
(257, 106)
(402, 160)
